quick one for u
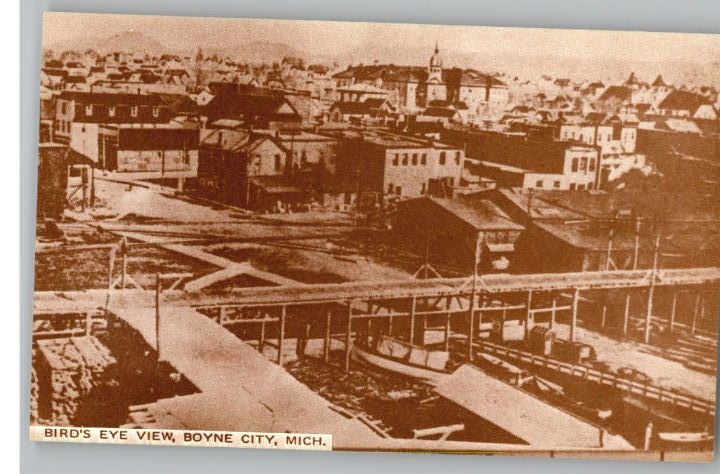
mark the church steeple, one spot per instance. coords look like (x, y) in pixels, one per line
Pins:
(435, 68)
(435, 59)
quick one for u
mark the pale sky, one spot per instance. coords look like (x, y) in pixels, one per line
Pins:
(320, 37)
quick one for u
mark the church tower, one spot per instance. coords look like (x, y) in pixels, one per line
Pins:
(435, 69)
(436, 90)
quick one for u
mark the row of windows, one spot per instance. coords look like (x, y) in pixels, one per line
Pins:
(570, 135)
(111, 111)
(579, 187)
(408, 159)
(539, 183)
(583, 164)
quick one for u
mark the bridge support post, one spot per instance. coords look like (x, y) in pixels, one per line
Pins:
(281, 335)
(261, 341)
(446, 339)
(412, 319)
(648, 315)
(158, 289)
(390, 325)
(626, 316)
(673, 309)
(573, 323)
(326, 345)
(552, 312)
(651, 290)
(699, 303)
(348, 336)
(528, 312)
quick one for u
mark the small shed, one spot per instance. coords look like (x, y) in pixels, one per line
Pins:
(541, 340)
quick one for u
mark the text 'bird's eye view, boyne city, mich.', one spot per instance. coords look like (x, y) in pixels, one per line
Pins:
(356, 236)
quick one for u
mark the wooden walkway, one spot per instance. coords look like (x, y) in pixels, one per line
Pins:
(442, 287)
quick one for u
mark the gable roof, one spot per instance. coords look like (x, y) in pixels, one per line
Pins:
(683, 100)
(620, 93)
(233, 105)
(446, 112)
(658, 82)
(351, 108)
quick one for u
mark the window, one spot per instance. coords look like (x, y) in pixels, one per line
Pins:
(398, 190)
(156, 111)
(278, 163)
(574, 165)
(303, 157)
(390, 188)
(88, 110)
(133, 111)
(539, 183)
(423, 159)
(442, 158)
(422, 189)
(572, 186)
(396, 159)
(405, 159)
(414, 159)
(457, 157)
(591, 166)
(583, 163)
(111, 111)
(580, 187)
(556, 184)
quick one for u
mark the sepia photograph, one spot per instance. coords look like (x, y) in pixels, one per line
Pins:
(319, 235)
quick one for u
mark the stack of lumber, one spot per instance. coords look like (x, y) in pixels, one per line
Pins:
(66, 369)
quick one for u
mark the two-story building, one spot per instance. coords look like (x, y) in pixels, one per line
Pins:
(517, 160)
(399, 166)
(72, 107)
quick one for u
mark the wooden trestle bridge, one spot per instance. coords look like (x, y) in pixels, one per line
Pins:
(456, 308)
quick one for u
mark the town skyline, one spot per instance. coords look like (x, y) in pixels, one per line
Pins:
(528, 52)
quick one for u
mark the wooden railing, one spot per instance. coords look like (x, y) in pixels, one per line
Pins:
(605, 378)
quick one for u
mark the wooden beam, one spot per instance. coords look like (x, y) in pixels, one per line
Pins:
(553, 310)
(626, 317)
(261, 341)
(526, 330)
(573, 323)
(348, 329)
(412, 319)
(651, 290)
(673, 309)
(326, 345)
(158, 289)
(281, 335)
(693, 327)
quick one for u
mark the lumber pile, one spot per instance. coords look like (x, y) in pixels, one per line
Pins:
(65, 370)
